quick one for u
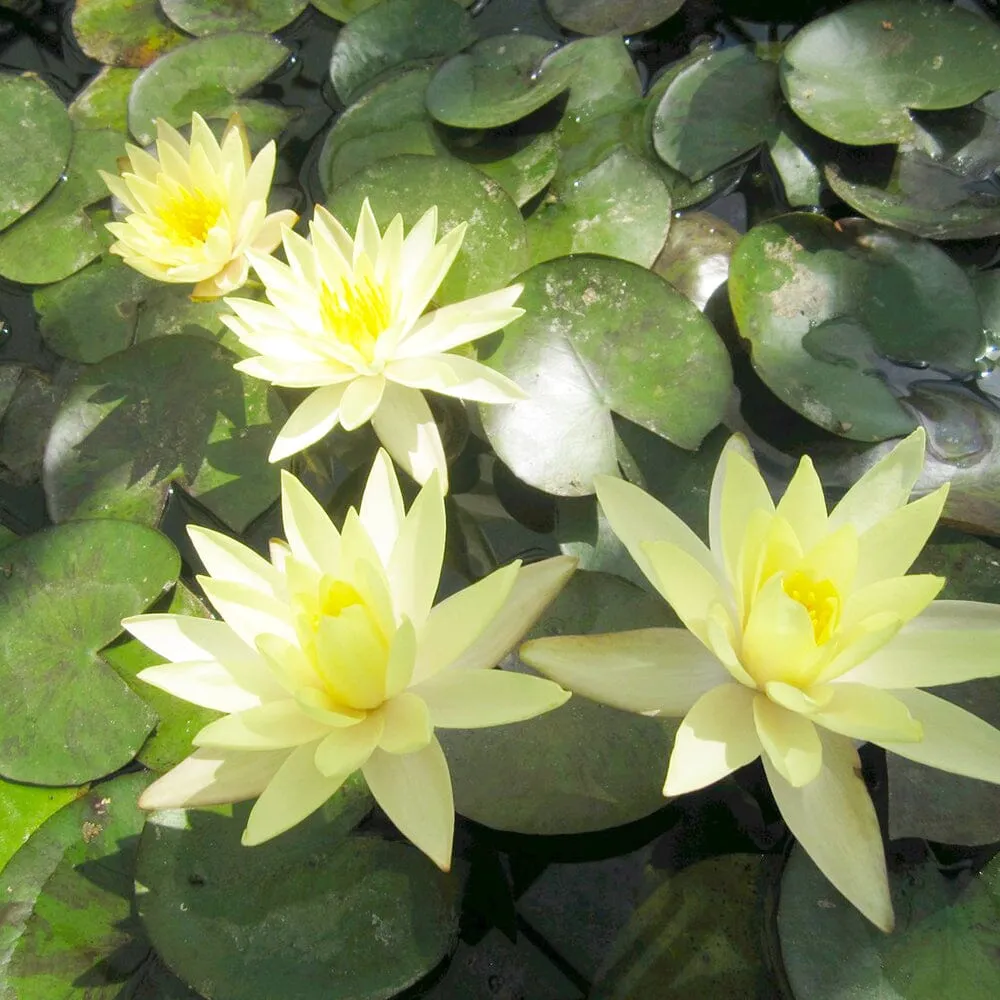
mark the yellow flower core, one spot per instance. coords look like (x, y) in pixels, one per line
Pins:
(337, 596)
(820, 598)
(356, 313)
(189, 215)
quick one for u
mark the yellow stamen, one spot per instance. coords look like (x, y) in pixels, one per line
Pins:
(356, 313)
(820, 598)
(189, 215)
(337, 596)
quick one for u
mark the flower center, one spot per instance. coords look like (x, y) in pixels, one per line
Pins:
(820, 598)
(356, 313)
(189, 215)
(337, 596)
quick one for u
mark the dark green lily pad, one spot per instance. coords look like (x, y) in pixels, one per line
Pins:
(495, 247)
(797, 154)
(361, 916)
(103, 103)
(522, 164)
(855, 74)
(601, 17)
(344, 10)
(35, 140)
(67, 718)
(497, 81)
(23, 809)
(695, 258)
(68, 929)
(212, 17)
(123, 32)
(57, 238)
(716, 110)
(584, 766)
(601, 335)
(177, 720)
(127, 430)
(168, 310)
(605, 79)
(391, 34)
(824, 305)
(944, 943)
(620, 208)
(209, 75)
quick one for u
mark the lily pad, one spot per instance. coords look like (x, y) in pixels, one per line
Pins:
(495, 247)
(601, 17)
(35, 140)
(123, 32)
(522, 163)
(497, 81)
(103, 103)
(583, 767)
(391, 34)
(23, 809)
(605, 79)
(855, 74)
(620, 208)
(67, 718)
(127, 430)
(825, 305)
(318, 911)
(212, 17)
(695, 258)
(209, 75)
(57, 238)
(797, 154)
(944, 943)
(601, 335)
(167, 310)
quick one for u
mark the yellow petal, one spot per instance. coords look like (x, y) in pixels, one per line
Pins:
(352, 656)
(742, 492)
(227, 559)
(865, 713)
(205, 683)
(789, 740)
(803, 505)
(272, 726)
(343, 751)
(778, 641)
(381, 510)
(686, 585)
(360, 401)
(833, 558)
(402, 657)
(311, 420)
(311, 534)
(407, 724)
(406, 427)
(903, 597)
(248, 612)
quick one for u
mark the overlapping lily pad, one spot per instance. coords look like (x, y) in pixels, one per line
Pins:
(522, 164)
(35, 140)
(601, 335)
(128, 429)
(212, 17)
(123, 32)
(695, 258)
(103, 103)
(23, 809)
(605, 79)
(601, 17)
(67, 718)
(209, 75)
(855, 74)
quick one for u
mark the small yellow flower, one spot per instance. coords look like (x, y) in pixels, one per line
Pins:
(331, 659)
(196, 209)
(803, 635)
(347, 318)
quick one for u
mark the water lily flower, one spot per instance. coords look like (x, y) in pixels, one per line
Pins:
(347, 319)
(196, 209)
(331, 659)
(803, 634)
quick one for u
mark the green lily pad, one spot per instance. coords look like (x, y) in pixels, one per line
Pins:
(797, 154)
(344, 10)
(212, 17)
(495, 247)
(497, 81)
(123, 32)
(168, 310)
(92, 313)
(57, 238)
(35, 140)
(620, 208)
(522, 163)
(127, 430)
(177, 720)
(583, 767)
(68, 930)
(209, 75)
(944, 943)
(601, 335)
(391, 34)
(103, 103)
(855, 74)
(715, 110)
(23, 809)
(695, 258)
(825, 306)
(605, 79)
(67, 718)
(621, 17)
(318, 911)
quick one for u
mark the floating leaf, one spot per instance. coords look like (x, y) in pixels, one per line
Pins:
(855, 74)
(67, 718)
(123, 32)
(584, 766)
(601, 335)
(168, 310)
(23, 809)
(521, 164)
(391, 34)
(35, 140)
(27, 419)
(601, 17)
(495, 247)
(695, 258)
(343, 10)
(127, 430)
(212, 17)
(103, 103)
(209, 75)
(797, 153)
(605, 78)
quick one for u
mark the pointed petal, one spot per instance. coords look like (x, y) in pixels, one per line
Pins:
(344, 750)
(686, 585)
(367, 238)
(414, 791)
(789, 740)
(407, 724)
(381, 510)
(406, 427)
(402, 658)
(428, 274)
(311, 534)
(227, 559)
(311, 420)
(803, 505)
(737, 443)
(866, 713)
(778, 641)
(360, 401)
(205, 683)
(452, 375)
(904, 597)
(247, 612)
(276, 725)
(743, 494)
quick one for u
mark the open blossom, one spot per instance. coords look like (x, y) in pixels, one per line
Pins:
(347, 319)
(803, 635)
(331, 659)
(196, 208)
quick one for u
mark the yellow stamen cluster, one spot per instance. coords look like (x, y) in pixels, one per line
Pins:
(819, 598)
(189, 215)
(356, 313)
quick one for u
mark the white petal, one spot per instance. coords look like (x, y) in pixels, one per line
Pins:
(789, 740)
(227, 559)
(205, 683)
(381, 510)
(312, 419)
(407, 724)
(452, 375)
(360, 401)
(311, 534)
(276, 725)
(406, 427)
(344, 750)
(248, 612)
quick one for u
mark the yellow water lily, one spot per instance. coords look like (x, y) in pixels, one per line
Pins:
(347, 319)
(332, 658)
(196, 209)
(802, 636)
